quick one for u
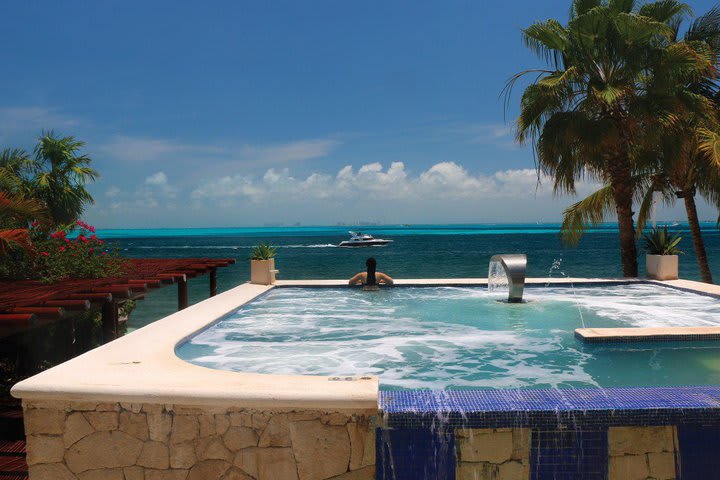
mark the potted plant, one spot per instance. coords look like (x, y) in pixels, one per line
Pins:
(262, 264)
(661, 261)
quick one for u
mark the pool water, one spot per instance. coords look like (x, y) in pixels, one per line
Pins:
(452, 337)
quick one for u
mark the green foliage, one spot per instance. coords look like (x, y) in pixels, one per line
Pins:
(263, 251)
(54, 256)
(55, 175)
(659, 242)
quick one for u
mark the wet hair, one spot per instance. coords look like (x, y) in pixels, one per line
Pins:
(371, 265)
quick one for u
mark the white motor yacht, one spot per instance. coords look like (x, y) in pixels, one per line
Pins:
(359, 239)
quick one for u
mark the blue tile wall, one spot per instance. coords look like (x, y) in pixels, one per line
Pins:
(553, 408)
(414, 454)
(698, 457)
(569, 455)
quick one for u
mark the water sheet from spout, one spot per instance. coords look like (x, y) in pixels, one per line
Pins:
(514, 267)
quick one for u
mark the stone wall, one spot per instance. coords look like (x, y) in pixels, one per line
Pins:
(119, 441)
(641, 453)
(492, 453)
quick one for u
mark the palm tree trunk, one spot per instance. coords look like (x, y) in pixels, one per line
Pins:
(698, 243)
(622, 187)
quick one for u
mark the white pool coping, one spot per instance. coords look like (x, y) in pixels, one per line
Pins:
(142, 367)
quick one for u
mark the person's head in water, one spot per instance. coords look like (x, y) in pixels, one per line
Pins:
(371, 265)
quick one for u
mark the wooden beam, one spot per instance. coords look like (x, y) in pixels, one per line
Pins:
(17, 318)
(135, 287)
(213, 282)
(93, 297)
(176, 276)
(182, 294)
(41, 312)
(117, 292)
(109, 321)
(149, 283)
(69, 304)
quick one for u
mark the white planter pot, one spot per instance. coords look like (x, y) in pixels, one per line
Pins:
(661, 267)
(262, 272)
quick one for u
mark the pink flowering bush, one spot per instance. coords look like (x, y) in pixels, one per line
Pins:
(58, 256)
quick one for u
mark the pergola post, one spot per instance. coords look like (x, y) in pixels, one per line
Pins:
(109, 321)
(213, 282)
(182, 294)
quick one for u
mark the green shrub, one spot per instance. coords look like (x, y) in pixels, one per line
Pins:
(55, 257)
(659, 242)
(263, 251)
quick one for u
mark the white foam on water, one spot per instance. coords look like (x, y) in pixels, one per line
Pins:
(443, 337)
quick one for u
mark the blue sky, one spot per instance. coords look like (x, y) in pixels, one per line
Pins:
(247, 113)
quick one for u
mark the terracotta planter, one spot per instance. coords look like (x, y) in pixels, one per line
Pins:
(661, 267)
(262, 272)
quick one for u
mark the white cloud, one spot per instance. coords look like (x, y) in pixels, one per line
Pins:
(143, 149)
(139, 149)
(443, 181)
(157, 179)
(112, 192)
(32, 121)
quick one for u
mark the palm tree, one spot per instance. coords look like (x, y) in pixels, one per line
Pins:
(15, 213)
(614, 74)
(677, 162)
(60, 177)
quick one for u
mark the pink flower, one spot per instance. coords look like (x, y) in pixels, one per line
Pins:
(45, 254)
(62, 249)
(93, 237)
(82, 238)
(58, 235)
(103, 254)
(84, 225)
(67, 240)
(35, 224)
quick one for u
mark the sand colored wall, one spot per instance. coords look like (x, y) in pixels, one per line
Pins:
(492, 453)
(118, 441)
(642, 453)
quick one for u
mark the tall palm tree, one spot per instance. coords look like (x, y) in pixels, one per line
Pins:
(677, 164)
(613, 74)
(61, 176)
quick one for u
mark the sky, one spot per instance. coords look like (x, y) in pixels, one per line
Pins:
(239, 113)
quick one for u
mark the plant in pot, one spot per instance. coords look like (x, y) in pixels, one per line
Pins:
(262, 264)
(661, 261)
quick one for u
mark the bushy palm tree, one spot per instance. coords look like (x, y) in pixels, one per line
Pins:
(60, 176)
(674, 157)
(615, 73)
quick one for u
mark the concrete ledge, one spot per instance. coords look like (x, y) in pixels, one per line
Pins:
(143, 367)
(654, 334)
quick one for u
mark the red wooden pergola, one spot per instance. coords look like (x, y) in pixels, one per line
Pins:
(25, 303)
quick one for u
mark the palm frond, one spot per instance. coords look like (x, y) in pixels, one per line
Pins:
(665, 10)
(590, 211)
(14, 238)
(546, 39)
(709, 145)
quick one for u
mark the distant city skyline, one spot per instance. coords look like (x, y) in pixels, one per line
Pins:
(240, 114)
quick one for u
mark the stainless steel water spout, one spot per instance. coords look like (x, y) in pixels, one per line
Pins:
(515, 265)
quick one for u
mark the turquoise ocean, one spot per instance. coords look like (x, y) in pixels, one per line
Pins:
(417, 251)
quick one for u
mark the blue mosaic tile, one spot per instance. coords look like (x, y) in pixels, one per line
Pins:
(569, 455)
(698, 457)
(412, 454)
(552, 407)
